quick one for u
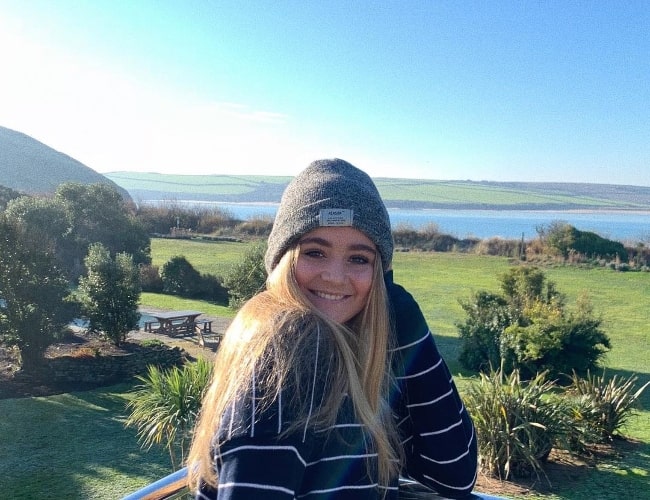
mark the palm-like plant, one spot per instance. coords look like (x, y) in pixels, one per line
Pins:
(605, 404)
(517, 422)
(165, 406)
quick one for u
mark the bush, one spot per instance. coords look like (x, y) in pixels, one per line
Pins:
(109, 293)
(563, 239)
(150, 279)
(256, 226)
(604, 405)
(179, 277)
(487, 318)
(501, 247)
(247, 277)
(556, 344)
(210, 288)
(517, 423)
(527, 328)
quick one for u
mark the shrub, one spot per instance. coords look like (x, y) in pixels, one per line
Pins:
(248, 276)
(527, 328)
(556, 344)
(487, 318)
(256, 226)
(179, 277)
(210, 288)
(605, 405)
(166, 405)
(517, 423)
(564, 239)
(150, 279)
(499, 246)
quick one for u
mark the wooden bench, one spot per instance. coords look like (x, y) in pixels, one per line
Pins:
(203, 325)
(203, 329)
(151, 326)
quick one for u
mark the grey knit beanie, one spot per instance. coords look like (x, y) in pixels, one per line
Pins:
(330, 193)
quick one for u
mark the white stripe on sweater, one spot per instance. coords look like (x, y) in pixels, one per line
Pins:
(423, 372)
(342, 457)
(442, 431)
(340, 488)
(257, 486)
(271, 448)
(465, 487)
(433, 401)
(421, 339)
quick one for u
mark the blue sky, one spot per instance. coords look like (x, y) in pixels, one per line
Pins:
(508, 91)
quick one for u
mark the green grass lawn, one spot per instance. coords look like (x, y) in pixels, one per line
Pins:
(77, 442)
(73, 446)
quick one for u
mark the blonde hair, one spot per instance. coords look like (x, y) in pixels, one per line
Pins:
(265, 329)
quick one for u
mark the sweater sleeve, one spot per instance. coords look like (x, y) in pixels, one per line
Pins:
(438, 436)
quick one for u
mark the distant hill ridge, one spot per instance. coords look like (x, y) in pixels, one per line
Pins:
(398, 193)
(31, 167)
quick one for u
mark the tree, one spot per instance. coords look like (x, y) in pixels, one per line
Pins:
(110, 292)
(6, 195)
(77, 216)
(47, 222)
(98, 214)
(34, 291)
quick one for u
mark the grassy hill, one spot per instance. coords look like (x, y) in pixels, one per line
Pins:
(398, 193)
(31, 167)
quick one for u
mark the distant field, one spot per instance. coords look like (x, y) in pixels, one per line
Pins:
(396, 192)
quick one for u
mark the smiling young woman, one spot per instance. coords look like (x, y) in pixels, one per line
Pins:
(329, 384)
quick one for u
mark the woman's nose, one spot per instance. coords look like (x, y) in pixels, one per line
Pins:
(334, 273)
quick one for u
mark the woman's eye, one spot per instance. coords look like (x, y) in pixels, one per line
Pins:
(359, 259)
(313, 253)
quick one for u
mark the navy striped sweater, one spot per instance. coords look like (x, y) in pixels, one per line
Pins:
(438, 440)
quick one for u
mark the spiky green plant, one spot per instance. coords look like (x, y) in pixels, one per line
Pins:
(165, 406)
(605, 404)
(517, 422)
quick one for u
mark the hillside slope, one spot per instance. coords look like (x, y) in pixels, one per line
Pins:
(31, 167)
(398, 193)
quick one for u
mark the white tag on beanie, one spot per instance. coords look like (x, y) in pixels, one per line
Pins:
(336, 216)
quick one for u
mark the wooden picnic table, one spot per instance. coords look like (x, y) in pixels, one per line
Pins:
(174, 322)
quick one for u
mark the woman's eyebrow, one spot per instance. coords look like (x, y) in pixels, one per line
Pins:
(315, 240)
(357, 247)
(361, 247)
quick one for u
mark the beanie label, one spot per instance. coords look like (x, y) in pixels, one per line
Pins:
(336, 217)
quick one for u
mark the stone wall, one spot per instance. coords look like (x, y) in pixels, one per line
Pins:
(108, 369)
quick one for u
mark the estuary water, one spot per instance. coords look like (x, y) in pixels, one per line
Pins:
(626, 226)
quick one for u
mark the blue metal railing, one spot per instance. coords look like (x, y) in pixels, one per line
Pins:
(174, 486)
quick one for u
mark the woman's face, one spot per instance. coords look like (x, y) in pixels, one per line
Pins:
(334, 270)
